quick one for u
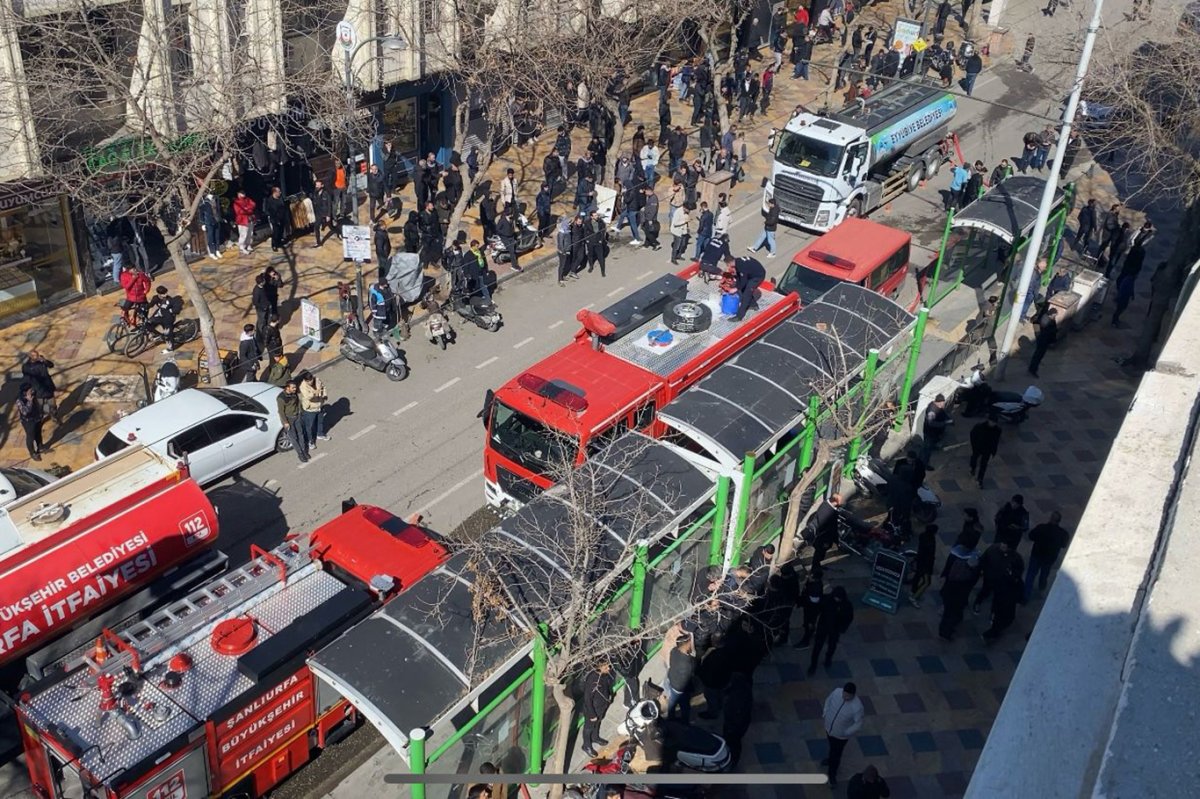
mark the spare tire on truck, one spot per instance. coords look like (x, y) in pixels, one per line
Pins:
(687, 316)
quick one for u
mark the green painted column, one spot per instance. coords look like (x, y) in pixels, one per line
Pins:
(733, 548)
(910, 372)
(868, 385)
(931, 297)
(810, 433)
(641, 558)
(416, 760)
(537, 702)
(722, 513)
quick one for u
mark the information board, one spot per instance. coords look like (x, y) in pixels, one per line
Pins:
(356, 242)
(310, 318)
(887, 581)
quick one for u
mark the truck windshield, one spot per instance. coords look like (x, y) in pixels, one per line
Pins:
(809, 284)
(802, 152)
(529, 442)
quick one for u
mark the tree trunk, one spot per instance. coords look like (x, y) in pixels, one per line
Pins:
(791, 523)
(462, 120)
(972, 22)
(719, 70)
(614, 152)
(207, 332)
(562, 735)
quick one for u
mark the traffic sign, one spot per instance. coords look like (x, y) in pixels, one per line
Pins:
(346, 35)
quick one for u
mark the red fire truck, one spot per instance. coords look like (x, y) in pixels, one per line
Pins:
(627, 360)
(83, 547)
(210, 695)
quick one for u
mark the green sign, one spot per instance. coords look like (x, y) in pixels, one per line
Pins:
(134, 152)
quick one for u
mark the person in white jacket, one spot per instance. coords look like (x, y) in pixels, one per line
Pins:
(724, 218)
(649, 157)
(843, 718)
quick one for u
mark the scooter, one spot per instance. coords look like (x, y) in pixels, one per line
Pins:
(672, 742)
(472, 308)
(528, 239)
(379, 354)
(965, 51)
(1013, 407)
(865, 539)
(875, 477)
(437, 326)
(166, 382)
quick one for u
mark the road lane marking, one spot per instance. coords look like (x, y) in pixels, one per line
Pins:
(457, 486)
(488, 362)
(362, 432)
(311, 460)
(446, 385)
(522, 343)
(616, 291)
(409, 406)
(589, 305)
(645, 274)
(556, 324)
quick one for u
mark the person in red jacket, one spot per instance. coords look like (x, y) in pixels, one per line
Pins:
(243, 217)
(136, 285)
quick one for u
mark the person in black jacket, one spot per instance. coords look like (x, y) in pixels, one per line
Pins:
(36, 371)
(322, 202)
(431, 234)
(926, 560)
(383, 248)
(1046, 335)
(597, 242)
(487, 215)
(453, 183)
(837, 614)
(770, 224)
(985, 441)
(412, 233)
(822, 528)
(261, 301)
(782, 597)
(506, 229)
(750, 275)
(376, 191)
(29, 412)
(681, 667)
(598, 688)
(579, 237)
(276, 211)
(811, 599)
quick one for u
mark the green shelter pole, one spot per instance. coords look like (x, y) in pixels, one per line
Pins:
(810, 433)
(722, 512)
(868, 384)
(733, 547)
(416, 760)
(931, 297)
(641, 557)
(537, 701)
(910, 373)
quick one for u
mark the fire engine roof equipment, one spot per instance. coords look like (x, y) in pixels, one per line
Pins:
(432, 623)
(764, 391)
(1008, 210)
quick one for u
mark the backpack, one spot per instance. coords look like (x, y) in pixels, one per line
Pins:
(175, 304)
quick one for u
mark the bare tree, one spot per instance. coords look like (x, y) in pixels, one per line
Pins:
(844, 414)
(139, 114)
(558, 565)
(1151, 141)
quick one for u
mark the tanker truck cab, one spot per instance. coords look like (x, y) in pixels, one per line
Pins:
(829, 168)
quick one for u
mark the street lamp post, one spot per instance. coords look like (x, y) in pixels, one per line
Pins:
(350, 47)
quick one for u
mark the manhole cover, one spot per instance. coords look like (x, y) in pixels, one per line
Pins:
(115, 388)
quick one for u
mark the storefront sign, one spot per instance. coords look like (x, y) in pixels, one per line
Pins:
(131, 152)
(20, 195)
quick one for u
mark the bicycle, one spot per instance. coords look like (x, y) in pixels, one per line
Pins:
(123, 327)
(142, 337)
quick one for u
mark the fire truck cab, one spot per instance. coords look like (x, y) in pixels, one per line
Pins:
(211, 694)
(857, 251)
(625, 362)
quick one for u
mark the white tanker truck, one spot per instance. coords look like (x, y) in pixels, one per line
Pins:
(827, 168)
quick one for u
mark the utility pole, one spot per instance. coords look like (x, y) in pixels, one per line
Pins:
(1039, 229)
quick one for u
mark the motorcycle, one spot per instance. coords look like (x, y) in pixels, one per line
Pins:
(166, 381)
(379, 354)
(672, 742)
(437, 326)
(865, 539)
(873, 476)
(528, 239)
(470, 307)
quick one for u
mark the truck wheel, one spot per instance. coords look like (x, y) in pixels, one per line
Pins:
(855, 209)
(933, 166)
(915, 173)
(687, 316)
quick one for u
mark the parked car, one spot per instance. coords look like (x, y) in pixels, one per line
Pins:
(218, 430)
(16, 482)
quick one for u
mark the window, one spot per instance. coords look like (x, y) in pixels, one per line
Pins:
(181, 44)
(801, 152)
(601, 440)
(111, 444)
(189, 441)
(235, 401)
(230, 425)
(643, 417)
(430, 16)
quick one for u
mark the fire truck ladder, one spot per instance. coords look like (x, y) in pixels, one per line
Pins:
(170, 625)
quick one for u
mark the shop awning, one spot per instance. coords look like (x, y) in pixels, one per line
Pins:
(1008, 210)
(420, 659)
(747, 403)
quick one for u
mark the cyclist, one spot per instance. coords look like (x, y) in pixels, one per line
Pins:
(136, 285)
(164, 311)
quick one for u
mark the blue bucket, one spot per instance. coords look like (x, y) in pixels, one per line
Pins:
(729, 304)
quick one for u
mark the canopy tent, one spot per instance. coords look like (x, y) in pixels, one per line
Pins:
(746, 403)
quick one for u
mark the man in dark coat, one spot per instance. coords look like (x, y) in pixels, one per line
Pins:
(1087, 226)
(836, 616)
(431, 234)
(960, 575)
(322, 202)
(506, 229)
(1046, 335)
(36, 372)
(1012, 521)
(597, 242)
(276, 211)
(1008, 591)
(579, 238)
(985, 441)
(376, 192)
(453, 183)
(383, 248)
(598, 688)
(750, 275)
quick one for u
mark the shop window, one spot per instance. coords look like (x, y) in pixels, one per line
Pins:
(181, 45)
(36, 263)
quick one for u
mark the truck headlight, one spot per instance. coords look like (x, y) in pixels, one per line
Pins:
(822, 218)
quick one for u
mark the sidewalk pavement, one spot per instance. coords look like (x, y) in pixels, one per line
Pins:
(96, 387)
